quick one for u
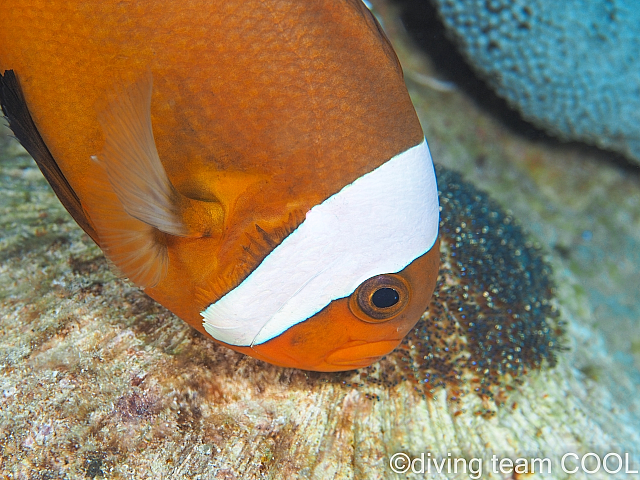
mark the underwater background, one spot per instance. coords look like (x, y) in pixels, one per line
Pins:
(541, 242)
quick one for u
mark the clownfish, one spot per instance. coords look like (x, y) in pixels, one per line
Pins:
(257, 167)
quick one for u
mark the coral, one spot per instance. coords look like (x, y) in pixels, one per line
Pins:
(99, 381)
(570, 67)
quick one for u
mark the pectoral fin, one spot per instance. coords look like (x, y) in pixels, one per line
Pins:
(136, 249)
(137, 206)
(138, 178)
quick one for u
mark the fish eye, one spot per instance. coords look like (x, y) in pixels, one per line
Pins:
(380, 298)
(385, 297)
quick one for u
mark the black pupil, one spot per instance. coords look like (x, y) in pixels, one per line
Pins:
(385, 298)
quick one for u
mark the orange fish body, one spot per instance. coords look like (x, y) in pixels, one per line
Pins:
(198, 136)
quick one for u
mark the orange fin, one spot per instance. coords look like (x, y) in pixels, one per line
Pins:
(17, 113)
(136, 174)
(136, 205)
(137, 250)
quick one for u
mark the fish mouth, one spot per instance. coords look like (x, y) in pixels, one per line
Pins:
(360, 354)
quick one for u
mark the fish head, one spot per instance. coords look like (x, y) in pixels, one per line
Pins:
(358, 330)
(346, 286)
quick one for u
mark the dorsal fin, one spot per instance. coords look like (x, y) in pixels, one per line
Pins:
(17, 113)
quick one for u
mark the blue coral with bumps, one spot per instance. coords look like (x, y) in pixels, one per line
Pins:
(571, 67)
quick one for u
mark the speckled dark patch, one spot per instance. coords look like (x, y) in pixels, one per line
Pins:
(93, 467)
(492, 317)
(136, 406)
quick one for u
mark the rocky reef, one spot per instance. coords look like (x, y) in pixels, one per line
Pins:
(569, 67)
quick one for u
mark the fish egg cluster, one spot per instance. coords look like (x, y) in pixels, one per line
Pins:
(492, 317)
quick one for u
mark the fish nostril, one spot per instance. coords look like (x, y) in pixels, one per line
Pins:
(385, 297)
